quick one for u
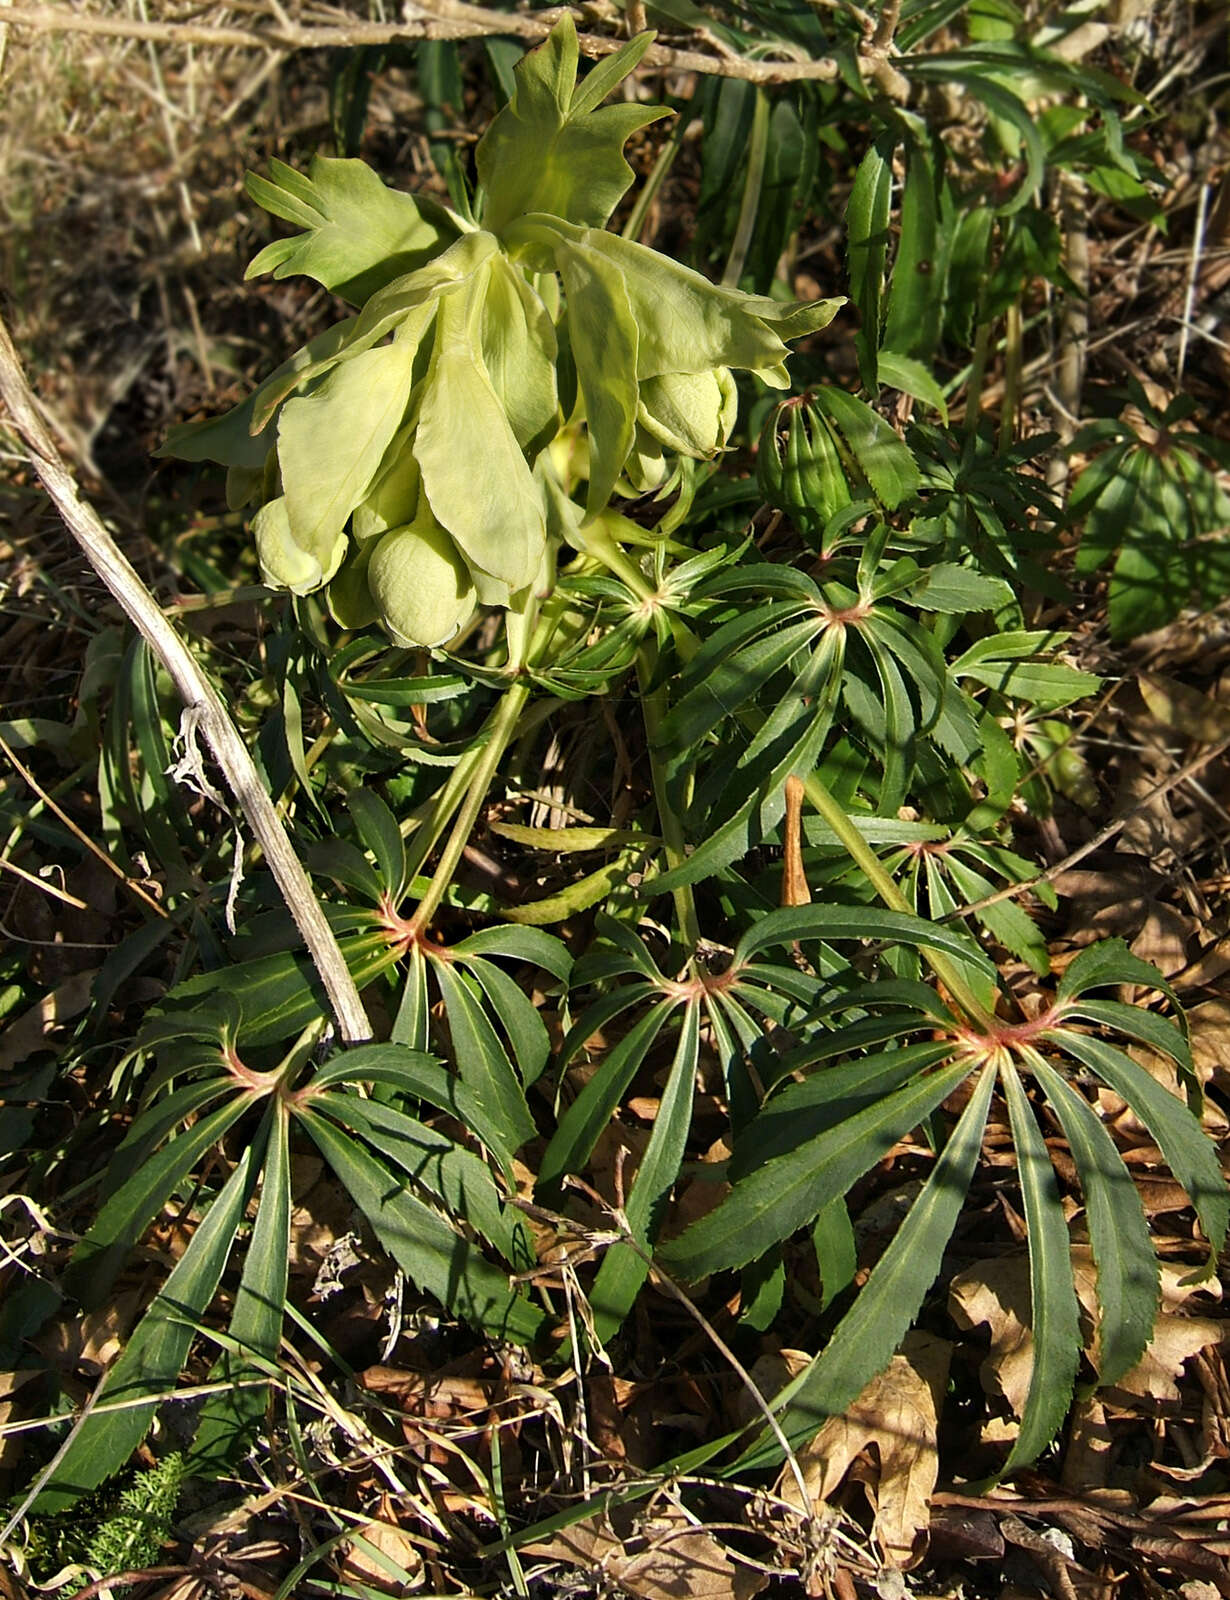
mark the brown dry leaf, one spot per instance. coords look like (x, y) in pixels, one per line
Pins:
(1195, 715)
(898, 1414)
(33, 1028)
(674, 1559)
(362, 1562)
(997, 1293)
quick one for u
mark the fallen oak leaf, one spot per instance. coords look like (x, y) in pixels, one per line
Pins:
(678, 1561)
(997, 1293)
(898, 1414)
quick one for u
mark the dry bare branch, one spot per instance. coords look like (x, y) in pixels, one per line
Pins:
(441, 19)
(199, 695)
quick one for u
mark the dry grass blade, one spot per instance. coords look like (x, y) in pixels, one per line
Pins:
(200, 698)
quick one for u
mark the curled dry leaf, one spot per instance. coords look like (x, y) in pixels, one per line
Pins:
(898, 1413)
(383, 1556)
(997, 1293)
(668, 1558)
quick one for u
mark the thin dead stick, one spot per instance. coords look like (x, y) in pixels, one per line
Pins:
(446, 19)
(1099, 839)
(203, 707)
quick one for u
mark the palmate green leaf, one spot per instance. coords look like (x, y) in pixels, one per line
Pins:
(330, 446)
(911, 377)
(865, 1339)
(519, 1017)
(380, 834)
(484, 1065)
(453, 1177)
(760, 795)
(130, 1210)
(550, 149)
(955, 590)
(1129, 1282)
(155, 1354)
(578, 1129)
(1054, 1309)
(1189, 1152)
(230, 1418)
(878, 453)
(416, 1076)
(358, 236)
(915, 299)
(487, 499)
(830, 922)
(431, 1253)
(1110, 962)
(790, 1191)
(732, 677)
(624, 1269)
(1011, 664)
(836, 1248)
(519, 944)
(278, 995)
(803, 1111)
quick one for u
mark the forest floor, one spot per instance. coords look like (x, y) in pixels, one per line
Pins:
(124, 235)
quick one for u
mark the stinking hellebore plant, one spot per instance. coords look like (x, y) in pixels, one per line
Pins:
(401, 458)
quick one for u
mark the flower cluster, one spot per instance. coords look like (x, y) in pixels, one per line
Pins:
(401, 458)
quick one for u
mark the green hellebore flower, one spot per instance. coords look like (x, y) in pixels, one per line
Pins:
(421, 587)
(691, 412)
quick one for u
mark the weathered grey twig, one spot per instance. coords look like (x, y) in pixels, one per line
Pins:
(438, 19)
(199, 695)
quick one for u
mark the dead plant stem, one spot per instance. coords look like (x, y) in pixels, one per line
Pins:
(201, 700)
(442, 19)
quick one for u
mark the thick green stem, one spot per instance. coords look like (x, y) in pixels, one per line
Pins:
(1013, 357)
(501, 730)
(881, 881)
(653, 705)
(977, 377)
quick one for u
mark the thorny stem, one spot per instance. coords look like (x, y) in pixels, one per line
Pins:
(865, 858)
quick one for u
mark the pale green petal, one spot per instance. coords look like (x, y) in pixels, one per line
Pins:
(393, 497)
(475, 477)
(285, 562)
(331, 443)
(420, 584)
(519, 351)
(685, 411)
(604, 336)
